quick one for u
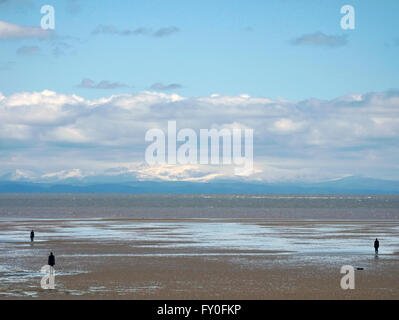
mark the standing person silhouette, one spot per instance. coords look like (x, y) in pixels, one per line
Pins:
(376, 246)
(32, 235)
(51, 262)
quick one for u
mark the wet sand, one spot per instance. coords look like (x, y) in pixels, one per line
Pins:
(198, 258)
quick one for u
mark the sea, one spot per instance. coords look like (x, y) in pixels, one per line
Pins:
(177, 206)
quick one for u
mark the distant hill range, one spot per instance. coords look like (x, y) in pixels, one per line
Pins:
(349, 185)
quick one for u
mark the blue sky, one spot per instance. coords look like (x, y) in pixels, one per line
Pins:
(78, 101)
(226, 47)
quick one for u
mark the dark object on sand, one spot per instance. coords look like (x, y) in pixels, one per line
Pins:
(359, 268)
(51, 259)
(376, 245)
(32, 235)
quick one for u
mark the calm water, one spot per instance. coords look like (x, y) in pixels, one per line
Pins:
(199, 206)
(304, 237)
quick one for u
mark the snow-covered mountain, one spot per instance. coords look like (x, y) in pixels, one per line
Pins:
(130, 182)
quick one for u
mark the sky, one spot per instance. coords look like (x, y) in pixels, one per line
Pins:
(77, 100)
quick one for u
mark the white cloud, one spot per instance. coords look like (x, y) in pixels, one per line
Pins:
(10, 30)
(45, 97)
(65, 134)
(285, 125)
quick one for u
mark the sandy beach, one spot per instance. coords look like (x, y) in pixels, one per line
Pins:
(198, 258)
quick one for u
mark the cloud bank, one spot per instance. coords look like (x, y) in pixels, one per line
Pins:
(45, 133)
